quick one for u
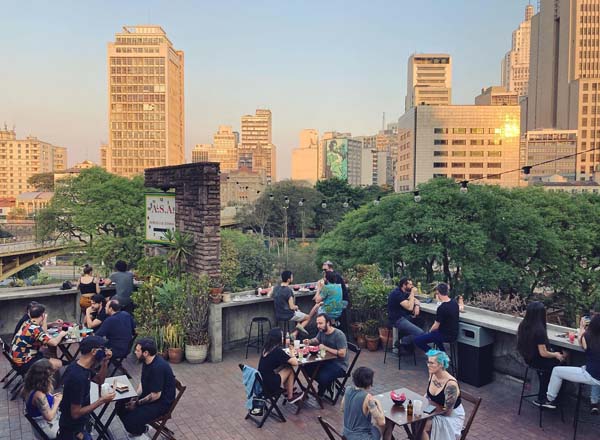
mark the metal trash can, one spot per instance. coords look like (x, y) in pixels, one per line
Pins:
(475, 354)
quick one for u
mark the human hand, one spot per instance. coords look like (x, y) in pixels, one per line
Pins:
(131, 404)
(59, 321)
(322, 347)
(108, 354)
(63, 333)
(560, 357)
(58, 397)
(108, 397)
(306, 341)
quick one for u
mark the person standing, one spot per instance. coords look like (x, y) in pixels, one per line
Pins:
(123, 280)
(328, 267)
(156, 391)
(445, 327)
(330, 294)
(75, 407)
(403, 309)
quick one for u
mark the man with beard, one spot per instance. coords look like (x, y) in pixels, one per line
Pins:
(95, 314)
(156, 391)
(75, 407)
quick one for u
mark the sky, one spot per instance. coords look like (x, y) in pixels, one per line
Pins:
(322, 64)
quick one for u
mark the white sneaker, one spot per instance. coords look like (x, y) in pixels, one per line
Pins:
(138, 437)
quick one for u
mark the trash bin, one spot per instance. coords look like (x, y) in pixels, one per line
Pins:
(475, 354)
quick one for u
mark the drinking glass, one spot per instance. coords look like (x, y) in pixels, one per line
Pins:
(418, 408)
(296, 344)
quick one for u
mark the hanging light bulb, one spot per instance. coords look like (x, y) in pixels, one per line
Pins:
(323, 204)
(417, 196)
(271, 197)
(526, 170)
(346, 203)
(257, 192)
(463, 186)
(301, 202)
(286, 200)
(377, 200)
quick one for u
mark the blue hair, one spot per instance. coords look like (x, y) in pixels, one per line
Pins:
(440, 356)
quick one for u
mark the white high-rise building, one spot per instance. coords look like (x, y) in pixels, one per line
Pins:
(429, 80)
(515, 64)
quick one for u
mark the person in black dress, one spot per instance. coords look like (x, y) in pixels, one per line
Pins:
(275, 365)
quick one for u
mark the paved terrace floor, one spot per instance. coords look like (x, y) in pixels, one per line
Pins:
(213, 406)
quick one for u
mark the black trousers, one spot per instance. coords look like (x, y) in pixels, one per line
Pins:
(546, 365)
(135, 421)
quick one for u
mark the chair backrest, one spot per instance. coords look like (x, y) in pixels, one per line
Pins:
(6, 351)
(38, 432)
(331, 432)
(180, 390)
(356, 350)
(476, 401)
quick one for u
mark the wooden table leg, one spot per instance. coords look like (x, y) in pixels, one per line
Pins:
(309, 388)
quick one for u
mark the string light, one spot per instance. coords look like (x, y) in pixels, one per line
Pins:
(301, 202)
(417, 197)
(526, 170)
(323, 204)
(271, 197)
(286, 200)
(463, 186)
(346, 203)
(377, 200)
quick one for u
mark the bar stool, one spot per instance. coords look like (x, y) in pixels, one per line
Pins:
(453, 356)
(259, 341)
(390, 336)
(528, 397)
(284, 325)
(576, 418)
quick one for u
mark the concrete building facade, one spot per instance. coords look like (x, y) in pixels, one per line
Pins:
(497, 95)
(240, 187)
(429, 80)
(22, 158)
(461, 142)
(305, 158)
(515, 64)
(257, 149)
(145, 102)
(539, 146)
(223, 150)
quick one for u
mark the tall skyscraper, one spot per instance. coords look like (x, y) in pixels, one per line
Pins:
(429, 80)
(222, 150)
(564, 80)
(305, 158)
(145, 110)
(256, 147)
(22, 158)
(515, 64)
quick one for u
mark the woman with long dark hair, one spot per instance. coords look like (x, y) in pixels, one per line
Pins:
(533, 345)
(40, 403)
(590, 373)
(275, 365)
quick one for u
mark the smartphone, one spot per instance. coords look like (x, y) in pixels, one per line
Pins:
(429, 409)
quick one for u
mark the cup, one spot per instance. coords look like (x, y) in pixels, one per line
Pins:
(571, 337)
(105, 389)
(322, 352)
(296, 344)
(418, 408)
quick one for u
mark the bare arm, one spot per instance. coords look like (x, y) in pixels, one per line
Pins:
(78, 411)
(435, 326)
(53, 342)
(452, 392)
(292, 304)
(97, 282)
(374, 408)
(41, 402)
(149, 398)
(543, 351)
(409, 303)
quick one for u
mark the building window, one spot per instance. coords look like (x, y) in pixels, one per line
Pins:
(476, 153)
(459, 154)
(476, 165)
(440, 142)
(440, 130)
(494, 153)
(493, 176)
(458, 164)
(459, 131)
(440, 164)
(494, 165)
(459, 142)
(477, 142)
(475, 176)
(439, 175)
(494, 141)
(458, 176)
(440, 153)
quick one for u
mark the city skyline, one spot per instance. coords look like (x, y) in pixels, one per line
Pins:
(295, 63)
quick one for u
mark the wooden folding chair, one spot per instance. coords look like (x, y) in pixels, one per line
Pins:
(476, 401)
(270, 400)
(331, 432)
(19, 384)
(38, 433)
(160, 424)
(118, 362)
(10, 376)
(339, 385)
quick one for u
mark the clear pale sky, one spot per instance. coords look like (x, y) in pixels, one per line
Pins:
(329, 65)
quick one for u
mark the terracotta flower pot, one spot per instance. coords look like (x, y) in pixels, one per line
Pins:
(216, 290)
(175, 355)
(384, 334)
(216, 298)
(355, 328)
(372, 342)
(361, 341)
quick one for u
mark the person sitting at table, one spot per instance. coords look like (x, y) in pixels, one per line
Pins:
(443, 390)
(334, 342)
(285, 306)
(445, 327)
(32, 335)
(123, 280)
(589, 374)
(75, 407)
(95, 313)
(403, 310)
(330, 294)
(118, 328)
(275, 365)
(40, 403)
(534, 347)
(156, 391)
(364, 418)
(26, 317)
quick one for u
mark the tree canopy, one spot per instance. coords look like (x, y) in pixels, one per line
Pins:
(42, 181)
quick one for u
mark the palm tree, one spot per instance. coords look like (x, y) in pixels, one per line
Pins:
(181, 248)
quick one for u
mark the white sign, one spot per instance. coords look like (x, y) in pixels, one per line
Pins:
(160, 216)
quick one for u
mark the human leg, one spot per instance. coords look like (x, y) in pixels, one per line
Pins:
(287, 381)
(328, 373)
(572, 374)
(135, 421)
(408, 329)
(423, 341)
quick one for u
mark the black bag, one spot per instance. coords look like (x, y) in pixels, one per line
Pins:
(66, 285)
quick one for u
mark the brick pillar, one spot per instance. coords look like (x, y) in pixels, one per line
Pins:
(197, 209)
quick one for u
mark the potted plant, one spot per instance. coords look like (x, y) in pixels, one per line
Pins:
(161, 347)
(174, 338)
(216, 290)
(196, 320)
(371, 334)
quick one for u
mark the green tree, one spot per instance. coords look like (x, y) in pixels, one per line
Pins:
(255, 261)
(42, 181)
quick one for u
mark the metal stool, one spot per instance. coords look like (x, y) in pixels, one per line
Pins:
(259, 341)
(387, 348)
(453, 356)
(284, 325)
(527, 397)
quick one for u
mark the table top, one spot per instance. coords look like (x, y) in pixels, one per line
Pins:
(95, 388)
(397, 413)
(312, 358)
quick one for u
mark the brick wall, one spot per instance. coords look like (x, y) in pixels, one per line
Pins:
(197, 209)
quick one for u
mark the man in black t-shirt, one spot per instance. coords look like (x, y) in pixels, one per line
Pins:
(95, 313)
(403, 309)
(156, 391)
(445, 327)
(286, 308)
(75, 407)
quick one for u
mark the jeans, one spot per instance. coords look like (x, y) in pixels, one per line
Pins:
(423, 341)
(135, 421)
(573, 374)
(328, 373)
(68, 435)
(407, 330)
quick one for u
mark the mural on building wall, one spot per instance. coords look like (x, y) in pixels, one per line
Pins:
(337, 158)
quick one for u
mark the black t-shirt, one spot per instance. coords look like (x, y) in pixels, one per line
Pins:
(24, 318)
(267, 366)
(118, 330)
(100, 315)
(158, 377)
(76, 390)
(539, 338)
(447, 316)
(395, 310)
(281, 295)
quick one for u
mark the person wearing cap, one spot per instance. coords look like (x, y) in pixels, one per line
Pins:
(445, 327)
(75, 407)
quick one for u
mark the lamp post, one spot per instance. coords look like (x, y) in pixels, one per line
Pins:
(286, 205)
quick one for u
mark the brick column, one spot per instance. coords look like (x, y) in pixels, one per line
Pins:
(197, 209)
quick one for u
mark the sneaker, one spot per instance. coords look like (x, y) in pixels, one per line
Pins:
(549, 404)
(296, 397)
(302, 330)
(537, 403)
(595, 409)
(138, 437)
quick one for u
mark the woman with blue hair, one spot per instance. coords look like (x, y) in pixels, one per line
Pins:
(443, 389)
